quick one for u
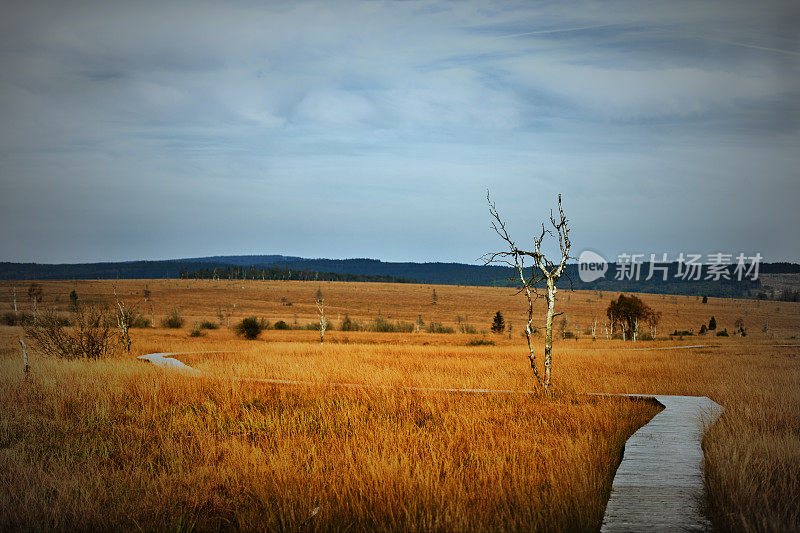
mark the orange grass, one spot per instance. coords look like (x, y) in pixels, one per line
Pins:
(121, 445)
(117, 444)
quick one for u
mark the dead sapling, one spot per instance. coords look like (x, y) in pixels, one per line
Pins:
(530, 278)
(322, 323)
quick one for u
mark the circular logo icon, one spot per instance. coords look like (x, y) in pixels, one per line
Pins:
(591, 266)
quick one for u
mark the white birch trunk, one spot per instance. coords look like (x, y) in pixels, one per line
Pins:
(25, 356)
(321, 308)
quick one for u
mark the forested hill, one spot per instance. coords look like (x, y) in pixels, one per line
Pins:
(284, 267)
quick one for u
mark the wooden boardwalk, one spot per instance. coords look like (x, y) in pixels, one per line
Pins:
(659, 484)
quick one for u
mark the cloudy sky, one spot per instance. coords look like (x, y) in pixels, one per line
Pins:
(334, 129)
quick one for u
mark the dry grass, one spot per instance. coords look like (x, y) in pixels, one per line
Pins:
(119, 445)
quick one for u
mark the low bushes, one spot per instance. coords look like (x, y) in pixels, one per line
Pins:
(251, 327)
(173, 320)
(437, 327)
(480, 342)
(93, 336)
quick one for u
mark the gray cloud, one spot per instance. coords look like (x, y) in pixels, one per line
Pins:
(340, 129)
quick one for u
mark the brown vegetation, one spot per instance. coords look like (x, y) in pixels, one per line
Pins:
(117, 444)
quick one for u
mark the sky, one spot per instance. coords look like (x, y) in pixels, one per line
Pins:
(341, 129)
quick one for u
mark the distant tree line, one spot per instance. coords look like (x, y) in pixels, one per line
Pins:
(273, 273)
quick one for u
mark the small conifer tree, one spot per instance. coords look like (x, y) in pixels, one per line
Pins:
(498, 324)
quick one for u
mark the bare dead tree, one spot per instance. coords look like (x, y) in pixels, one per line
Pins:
(35, 295)
(322, 324)
(125, 318)
(25, 357)
(543, 270)
(14, 295)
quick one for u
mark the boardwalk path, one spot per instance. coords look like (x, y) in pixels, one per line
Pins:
(659, 483)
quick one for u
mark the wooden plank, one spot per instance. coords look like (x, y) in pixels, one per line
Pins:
(659, 483)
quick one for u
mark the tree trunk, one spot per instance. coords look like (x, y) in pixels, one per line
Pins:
(548, 335)
(25, 356)
(528, 335)
(321, 309)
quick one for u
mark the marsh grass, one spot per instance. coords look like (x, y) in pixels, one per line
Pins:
(121, 445)
(116, 444)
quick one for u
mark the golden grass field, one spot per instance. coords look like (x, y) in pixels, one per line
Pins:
(118, 444)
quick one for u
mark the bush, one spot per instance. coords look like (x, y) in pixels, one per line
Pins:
(140, 321)
(479, 342)
(173, 320)
(280, 324)
(723, 333)
(251, 327)
(207, 324)
(437, 327)
(381, 325)
(17, 319)
(570, 335)
(93, 337)
(349, 325)
(197, 332)
(467, 328)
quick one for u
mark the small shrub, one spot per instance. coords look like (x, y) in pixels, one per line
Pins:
(480, 342)
(280, 324)
(381, 325)
(93, 336)
(16, 319)
(467, 328)
(140, 321)
(349, 325)
(437, 327)
(570, 335)
(723, 333)
(197, 332)
(251, 327)
(173, 320)
(207, 324)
